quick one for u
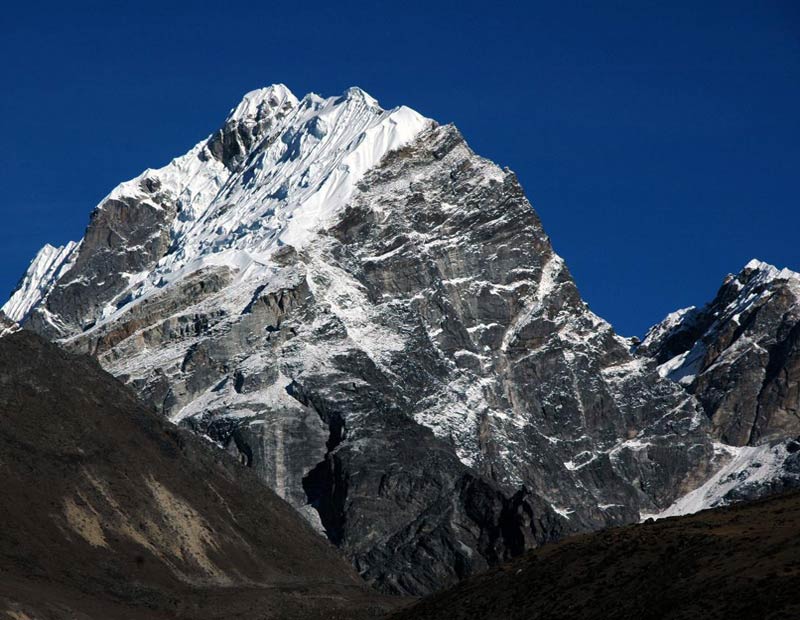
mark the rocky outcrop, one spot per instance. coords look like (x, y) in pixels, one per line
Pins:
(7, 326)
(739, 355)
(371, 317)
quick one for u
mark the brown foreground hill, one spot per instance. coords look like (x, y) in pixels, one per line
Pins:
(108, 512)
(736, 563)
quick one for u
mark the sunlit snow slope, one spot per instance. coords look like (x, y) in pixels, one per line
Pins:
(305, 159)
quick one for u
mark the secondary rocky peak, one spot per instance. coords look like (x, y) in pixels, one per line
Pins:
(739, 354)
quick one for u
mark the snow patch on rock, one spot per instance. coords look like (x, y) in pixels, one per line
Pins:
(746, 465)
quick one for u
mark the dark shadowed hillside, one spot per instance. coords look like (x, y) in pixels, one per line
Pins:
(108, 511)
(736, 563)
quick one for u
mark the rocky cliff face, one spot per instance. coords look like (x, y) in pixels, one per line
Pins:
(739, 355)
(371, 317)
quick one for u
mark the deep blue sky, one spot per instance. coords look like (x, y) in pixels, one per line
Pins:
(659, 144)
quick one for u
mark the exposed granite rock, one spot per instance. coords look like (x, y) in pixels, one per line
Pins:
(124, 236)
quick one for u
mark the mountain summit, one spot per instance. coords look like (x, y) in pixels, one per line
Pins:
(372, 317)
(277, 169)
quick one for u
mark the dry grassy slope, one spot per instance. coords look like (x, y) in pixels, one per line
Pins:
(110, 512)
(734, 563)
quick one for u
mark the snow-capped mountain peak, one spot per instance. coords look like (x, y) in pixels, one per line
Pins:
(274, 96)
(277, 170)
(303, 169)
(46, 267)
(759, 272)
(755, 263)
(354, 92)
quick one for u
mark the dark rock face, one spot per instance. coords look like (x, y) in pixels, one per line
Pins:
(739, 355)
(398, 500)
(110, 511)
(235, 140)
(418, 375)
(545, 395)
(124, 236)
